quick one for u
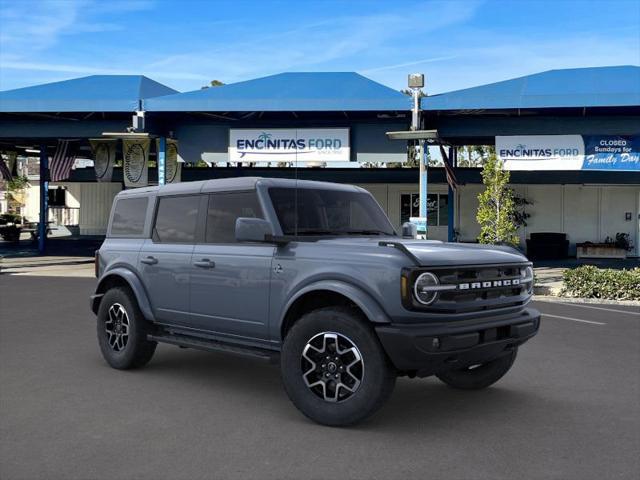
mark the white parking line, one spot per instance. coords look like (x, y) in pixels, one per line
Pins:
(573, 319)
(600, 308)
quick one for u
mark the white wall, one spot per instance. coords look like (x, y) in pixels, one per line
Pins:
(583, 212)
(95, 205)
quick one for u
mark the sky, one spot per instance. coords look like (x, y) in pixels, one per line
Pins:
(185, 44)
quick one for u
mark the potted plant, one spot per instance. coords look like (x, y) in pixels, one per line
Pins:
(611, 247)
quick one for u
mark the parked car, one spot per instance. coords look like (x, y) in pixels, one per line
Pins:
(314, 276)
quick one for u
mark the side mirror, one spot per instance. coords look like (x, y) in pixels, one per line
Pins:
(252, 229)
(409, 230)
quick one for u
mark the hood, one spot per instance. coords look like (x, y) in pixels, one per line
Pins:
(436, 253)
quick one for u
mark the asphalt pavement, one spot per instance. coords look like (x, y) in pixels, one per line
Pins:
(569, 408)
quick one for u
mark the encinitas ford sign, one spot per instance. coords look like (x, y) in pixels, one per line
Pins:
(541, 152)
(569, 152)
(289, 145)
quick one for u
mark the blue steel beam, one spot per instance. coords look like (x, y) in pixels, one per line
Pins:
(44, 199)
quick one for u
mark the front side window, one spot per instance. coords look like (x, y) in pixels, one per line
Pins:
(128, 216)
(224, 209)
(328, 212)
(176, 219)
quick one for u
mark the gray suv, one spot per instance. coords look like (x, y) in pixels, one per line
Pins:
(314, 276)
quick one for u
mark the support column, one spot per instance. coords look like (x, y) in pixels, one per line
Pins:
(423, 185)
(44, 199)
(453, 158)
(162, 160)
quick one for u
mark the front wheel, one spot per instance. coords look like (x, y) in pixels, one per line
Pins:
(334, 368)
(476, 377)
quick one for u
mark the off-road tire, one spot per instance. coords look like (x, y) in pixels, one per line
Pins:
(137, 351)
(378, 374)
(481, 376)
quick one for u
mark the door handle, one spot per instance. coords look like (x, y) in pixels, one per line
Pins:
(205, 263)
(149, 260)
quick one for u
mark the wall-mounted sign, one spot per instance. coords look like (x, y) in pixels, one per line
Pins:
(289, 145)
(541, 152)
(609, 152)
(569, 152)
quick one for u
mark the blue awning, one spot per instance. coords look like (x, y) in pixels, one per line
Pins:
(96, 93)
(288, 92)
(570, 88)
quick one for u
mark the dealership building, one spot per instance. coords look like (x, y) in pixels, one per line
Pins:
(571, 139)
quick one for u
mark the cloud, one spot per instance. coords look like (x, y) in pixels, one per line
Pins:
(29, 27)
(409, 64)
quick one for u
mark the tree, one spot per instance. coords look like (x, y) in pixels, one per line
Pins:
(213, 83)
(474, 155)
(496, 209)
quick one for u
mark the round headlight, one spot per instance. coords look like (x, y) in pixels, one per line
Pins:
(526, 274)
(423, 288)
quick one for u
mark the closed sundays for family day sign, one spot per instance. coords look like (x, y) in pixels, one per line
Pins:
(289, 145)
(569, 152)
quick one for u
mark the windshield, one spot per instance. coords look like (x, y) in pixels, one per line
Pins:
(328, 212)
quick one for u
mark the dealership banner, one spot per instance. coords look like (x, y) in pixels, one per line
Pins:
(172, 163)
(611, 152)
(135, 154)
(104, 157)
(541, 152)
(569, 152)
(289, 145)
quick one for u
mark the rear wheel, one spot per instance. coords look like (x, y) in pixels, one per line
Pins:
(334, 368)
(476, 377)
(122, 331)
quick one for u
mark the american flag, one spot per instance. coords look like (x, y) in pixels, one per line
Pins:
(62, 160)
(448, 169)
(4, 170)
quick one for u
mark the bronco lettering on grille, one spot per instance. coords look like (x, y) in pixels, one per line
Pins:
(510, 282)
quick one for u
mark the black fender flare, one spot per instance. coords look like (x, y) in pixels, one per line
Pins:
(134, 283)
(369, 306)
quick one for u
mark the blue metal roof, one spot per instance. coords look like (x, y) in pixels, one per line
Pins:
(577, 87)
(96, 93)
(298, 92)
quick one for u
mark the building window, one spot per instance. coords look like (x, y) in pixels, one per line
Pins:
(57, 197)
(437, 208)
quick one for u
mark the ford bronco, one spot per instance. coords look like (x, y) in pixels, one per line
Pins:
(314, 276)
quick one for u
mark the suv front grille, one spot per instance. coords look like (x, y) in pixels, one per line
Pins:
(481, 288)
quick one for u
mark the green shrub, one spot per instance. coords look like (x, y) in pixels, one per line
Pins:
(588, 281)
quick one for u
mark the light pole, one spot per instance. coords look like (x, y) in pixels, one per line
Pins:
(416, 83)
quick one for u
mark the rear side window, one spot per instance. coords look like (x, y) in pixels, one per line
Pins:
(128, 216)
(176, 219)
(224, 209)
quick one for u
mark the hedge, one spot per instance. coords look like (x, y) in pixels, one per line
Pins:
(588, 281)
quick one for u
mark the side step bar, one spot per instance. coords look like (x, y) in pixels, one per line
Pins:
(199, 343)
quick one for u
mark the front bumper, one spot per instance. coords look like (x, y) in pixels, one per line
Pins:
(425, 349)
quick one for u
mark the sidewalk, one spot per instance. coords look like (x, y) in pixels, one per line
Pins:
(49, 266)
(548, 280)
